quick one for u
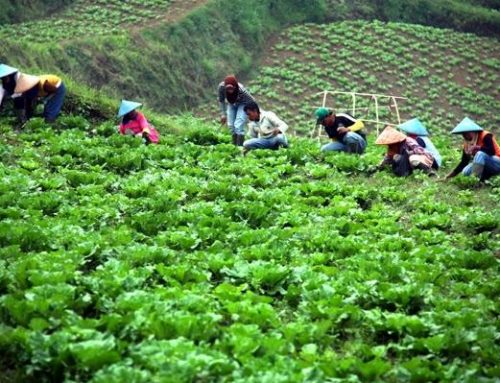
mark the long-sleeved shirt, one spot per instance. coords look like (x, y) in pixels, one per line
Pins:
(341, 119)
(267, 123)
(244, 97)
(411, 148)
(140, 125)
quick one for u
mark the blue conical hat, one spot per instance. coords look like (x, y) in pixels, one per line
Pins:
(467, 125)
(6, 70)
(414, 126)
(127, 107)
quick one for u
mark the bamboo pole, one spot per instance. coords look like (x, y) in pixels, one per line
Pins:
(353, 104)
(361, 94)
(376, 112)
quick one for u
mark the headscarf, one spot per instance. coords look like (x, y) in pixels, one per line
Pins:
(129, 117)
(231, 80)
(11, 85)
(469, 145)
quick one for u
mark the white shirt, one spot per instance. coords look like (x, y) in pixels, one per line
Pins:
(268, 122)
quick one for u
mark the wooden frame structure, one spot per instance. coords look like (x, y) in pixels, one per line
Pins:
(373, 96)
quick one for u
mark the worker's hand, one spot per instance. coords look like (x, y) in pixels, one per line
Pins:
(223, 120)
(448, 176)
(276, 132)
(145, 138)
(373, 169)
(343, 130)
(475, 149)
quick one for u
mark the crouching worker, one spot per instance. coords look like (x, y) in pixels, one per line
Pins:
(416, 130)
(404, 154)
(22, 88)
(134, 122)
(266, 128)
(481, 148)
(344, 131)
(26, 90)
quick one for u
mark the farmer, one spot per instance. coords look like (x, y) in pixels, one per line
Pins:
(232, 100)
(416, 130)
(25, 90)
(344, 131)
(22, 88)
(481, 147)
(404, 153)
(134, 122)
(266, 128)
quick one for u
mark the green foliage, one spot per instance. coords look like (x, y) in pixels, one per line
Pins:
(186, 261)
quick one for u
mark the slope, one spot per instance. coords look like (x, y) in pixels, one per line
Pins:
(135, 51)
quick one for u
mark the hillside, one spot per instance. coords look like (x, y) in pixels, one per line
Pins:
(137, 49)
(444, 74)
(188, 262)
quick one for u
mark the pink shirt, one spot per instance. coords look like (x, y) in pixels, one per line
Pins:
(138, 126)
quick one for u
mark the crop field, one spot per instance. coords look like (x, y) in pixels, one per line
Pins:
(446, 75)
(186, 262)
(90, 18)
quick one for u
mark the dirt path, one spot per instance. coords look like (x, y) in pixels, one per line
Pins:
(177, 10)
(181, 8)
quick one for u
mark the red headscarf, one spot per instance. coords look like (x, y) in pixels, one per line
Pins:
(231, 80)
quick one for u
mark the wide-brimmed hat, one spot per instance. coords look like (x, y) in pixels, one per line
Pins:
(6, 70)
(26, 82)
(390, 136)
(414, 126)
(127, 107)
(467, 125)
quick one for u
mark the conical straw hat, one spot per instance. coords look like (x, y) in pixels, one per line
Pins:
(6, 70)
(390, 136)
(414, 126)
(467, 125)
(127, 107)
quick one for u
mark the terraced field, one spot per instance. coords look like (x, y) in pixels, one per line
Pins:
(444, 74)
(90, 18)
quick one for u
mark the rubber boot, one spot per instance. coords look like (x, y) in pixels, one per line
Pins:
(353, 147)
(478, 170)
(234, 137)
(240, 138)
